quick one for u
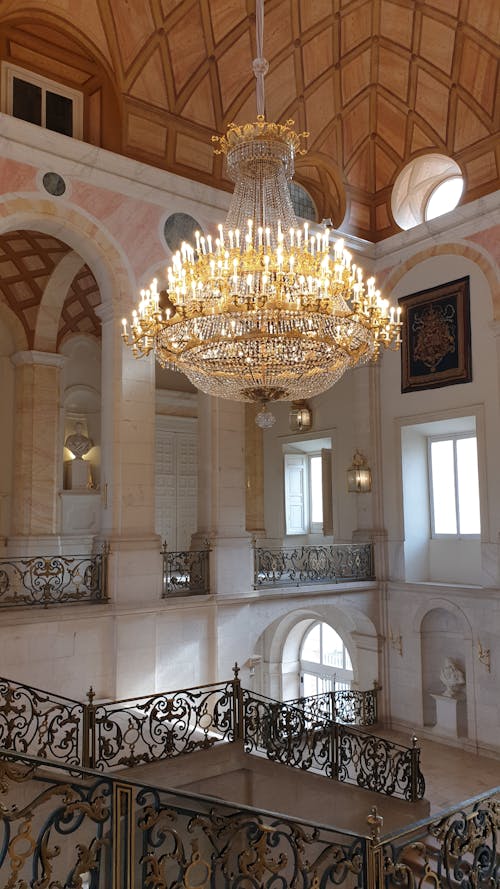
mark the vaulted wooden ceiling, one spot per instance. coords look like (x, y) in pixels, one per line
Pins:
(375, 82)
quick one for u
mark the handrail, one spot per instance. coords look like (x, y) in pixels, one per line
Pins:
(336, 563)
(346, 753)
(350, 706)
(457, 846)
(54, 580)
(81, 828)
(150, 728)
(68, 826)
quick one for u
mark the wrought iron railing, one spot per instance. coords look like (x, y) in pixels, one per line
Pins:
(81, 829)
(458, 849)
(352, 707)
(147, 729)
(41, 723)
(73, 828)
(185, 573)
(54, 580)
(288, 566)
(284, 734)
(151, 728)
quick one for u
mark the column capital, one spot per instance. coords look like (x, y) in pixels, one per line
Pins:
(106, 312)
(47, 359)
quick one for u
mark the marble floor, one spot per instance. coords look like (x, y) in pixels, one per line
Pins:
(451, 773)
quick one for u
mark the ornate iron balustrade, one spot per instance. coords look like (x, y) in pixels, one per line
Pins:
(185, 573)
(288, 566)
(352, 707)
(459, 848)
(80, 829)
(73, 828)
(54, 580)
(41, 724)
(285, 734)
(150, 728)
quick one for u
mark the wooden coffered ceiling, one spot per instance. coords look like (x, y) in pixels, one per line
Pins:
(375, 82)
(27, 262)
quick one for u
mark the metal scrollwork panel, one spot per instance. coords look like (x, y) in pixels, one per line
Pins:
(313, 564)
(284, 734)
(460, 850)
(227, 849)
(51, 580)
(36, 723)
(186, 573)
(375, 764)
(54, 833)
(166, 725)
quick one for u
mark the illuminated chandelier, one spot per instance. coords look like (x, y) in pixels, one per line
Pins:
(262, 312)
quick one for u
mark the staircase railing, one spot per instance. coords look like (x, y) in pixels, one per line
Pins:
(150, 728)
(54, 580)
(285, 734)
(460, 847)
(353, 706)
(71, 827)
(79, 828)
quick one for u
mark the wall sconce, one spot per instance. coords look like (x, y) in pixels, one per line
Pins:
(300, 417)
(396, 642)
(484, 656)
(359, 476)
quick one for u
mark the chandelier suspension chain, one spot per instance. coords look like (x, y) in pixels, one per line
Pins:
(260, 65)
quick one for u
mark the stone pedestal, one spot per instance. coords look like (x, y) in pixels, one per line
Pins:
(78, 474)
(450, 713)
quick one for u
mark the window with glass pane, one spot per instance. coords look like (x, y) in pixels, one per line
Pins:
(26, 101)
(454, 486)
(325, 664)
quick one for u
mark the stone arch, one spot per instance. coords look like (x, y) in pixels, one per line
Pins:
(281, 639)
(53, 299)
(464, 249)
(97, 247)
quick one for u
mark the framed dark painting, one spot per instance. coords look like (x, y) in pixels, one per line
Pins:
(436, 347)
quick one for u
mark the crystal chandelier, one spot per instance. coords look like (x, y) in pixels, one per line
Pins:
(263, 311)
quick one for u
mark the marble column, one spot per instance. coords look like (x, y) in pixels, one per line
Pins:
(221, 495)
(37, 453)
(128, 468)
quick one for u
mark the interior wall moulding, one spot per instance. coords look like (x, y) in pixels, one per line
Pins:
(49, 359)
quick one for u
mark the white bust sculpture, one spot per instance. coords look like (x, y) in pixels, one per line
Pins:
(452, 678)
(78, 443)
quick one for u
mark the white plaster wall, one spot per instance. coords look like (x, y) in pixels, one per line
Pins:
(398, 409)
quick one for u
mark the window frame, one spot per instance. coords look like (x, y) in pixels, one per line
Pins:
(322, 671)
(309, 527)
(10, 71)
(454, 437)
(456, 177)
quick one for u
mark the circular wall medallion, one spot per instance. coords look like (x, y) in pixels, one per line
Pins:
(180, 227)
(54, 184)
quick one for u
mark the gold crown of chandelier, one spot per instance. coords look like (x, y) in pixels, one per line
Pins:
(263, 311)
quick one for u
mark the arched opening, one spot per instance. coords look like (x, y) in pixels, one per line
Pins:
(443, 673)
(325, 663)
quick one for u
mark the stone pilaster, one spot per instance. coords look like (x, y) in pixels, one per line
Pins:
(221, 494)
(37, 452)
(128, 466)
